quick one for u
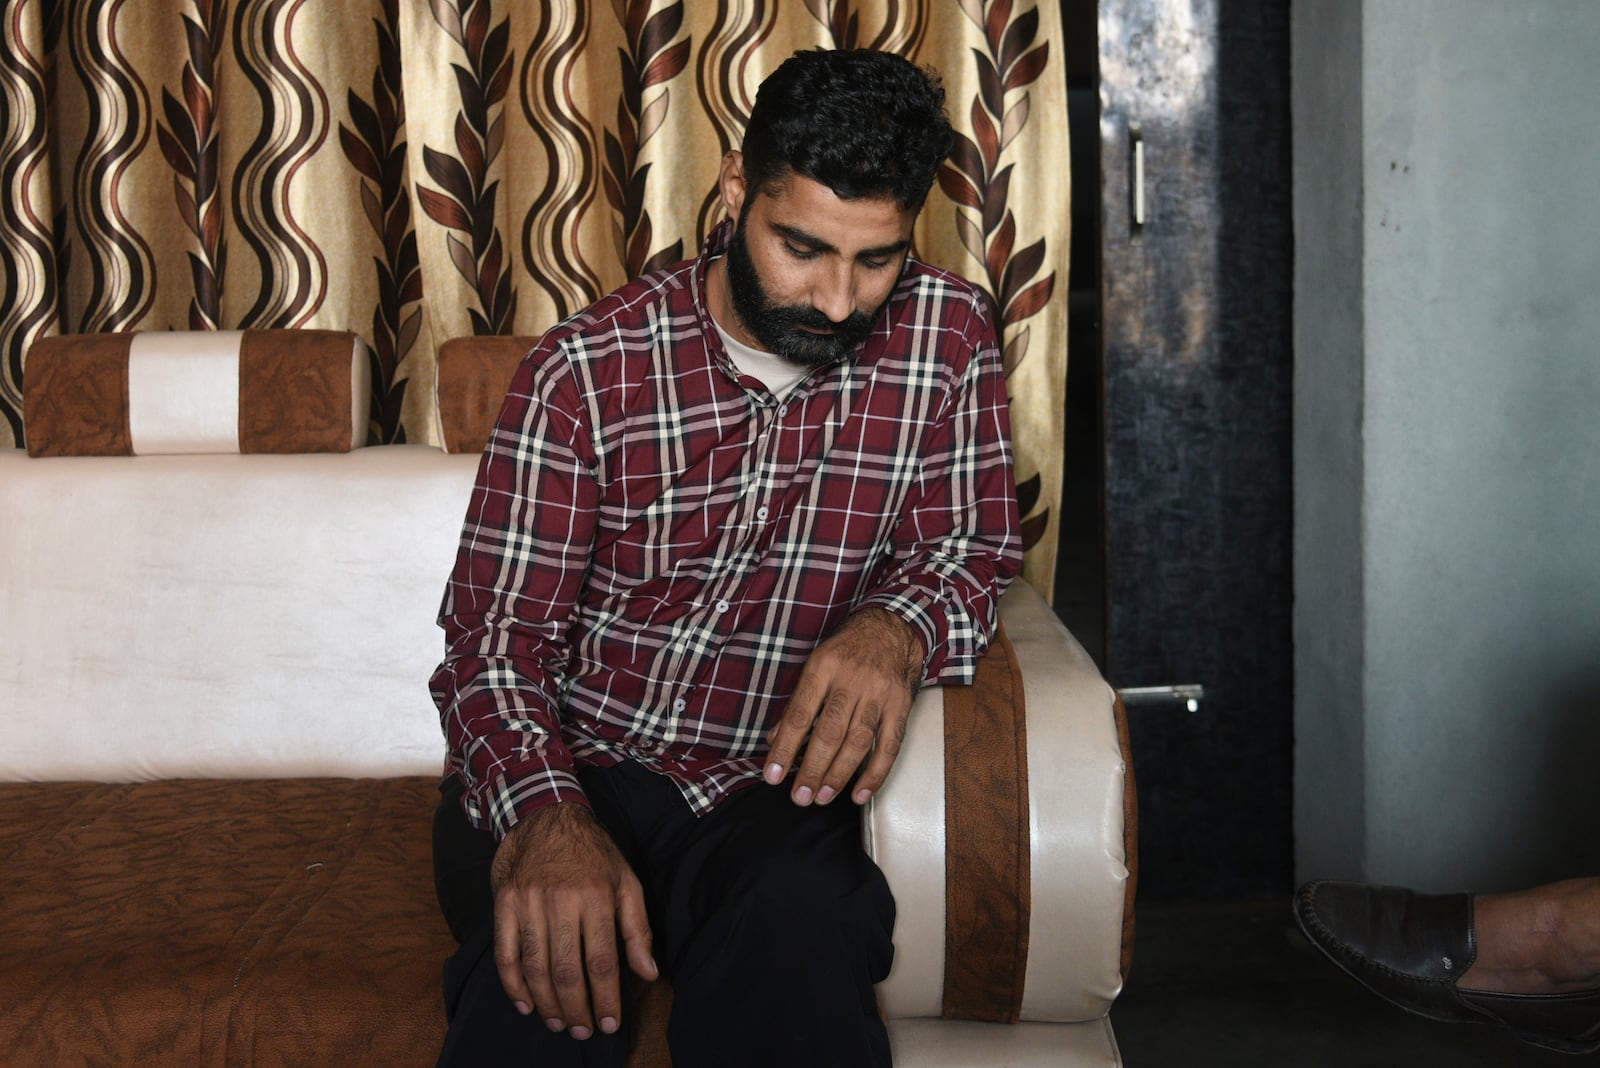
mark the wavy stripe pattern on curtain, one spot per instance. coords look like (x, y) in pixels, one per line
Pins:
(414, 170)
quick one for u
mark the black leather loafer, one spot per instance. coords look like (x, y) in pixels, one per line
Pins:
(1410, 949)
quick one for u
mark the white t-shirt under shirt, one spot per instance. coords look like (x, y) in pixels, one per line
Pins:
(774, 372)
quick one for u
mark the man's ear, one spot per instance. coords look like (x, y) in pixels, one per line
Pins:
(731, 185)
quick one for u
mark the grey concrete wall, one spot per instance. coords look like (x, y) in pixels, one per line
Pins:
(1330, 772)
(1448, 394)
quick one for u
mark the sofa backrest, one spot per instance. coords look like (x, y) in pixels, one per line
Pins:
(227, 616)
(202, 572)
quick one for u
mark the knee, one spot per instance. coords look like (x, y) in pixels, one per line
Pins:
(814, 899)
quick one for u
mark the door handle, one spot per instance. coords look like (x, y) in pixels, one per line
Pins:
(1136, 142)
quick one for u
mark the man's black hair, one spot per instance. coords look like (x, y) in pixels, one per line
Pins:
(863, 123)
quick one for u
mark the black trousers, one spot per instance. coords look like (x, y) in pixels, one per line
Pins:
(770, 919)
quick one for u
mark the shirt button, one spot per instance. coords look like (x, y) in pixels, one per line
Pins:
(761, 513)
(722, 606)
(679, 705)
(783, 409)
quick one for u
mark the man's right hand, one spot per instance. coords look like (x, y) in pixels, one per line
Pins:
(562, 891)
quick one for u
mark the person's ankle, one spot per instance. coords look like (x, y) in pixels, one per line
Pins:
(1525, 981)
(1541, 941)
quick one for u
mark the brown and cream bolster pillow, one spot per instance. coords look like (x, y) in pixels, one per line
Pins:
(473, 374)
(202, 391)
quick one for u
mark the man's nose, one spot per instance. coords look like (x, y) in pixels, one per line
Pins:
(833, 292)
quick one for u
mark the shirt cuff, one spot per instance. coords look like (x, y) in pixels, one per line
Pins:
(504, 800)
(926, 613)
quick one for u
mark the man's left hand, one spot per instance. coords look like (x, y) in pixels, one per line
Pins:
(853, 698)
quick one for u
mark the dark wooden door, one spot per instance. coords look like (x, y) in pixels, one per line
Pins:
(1194, 305)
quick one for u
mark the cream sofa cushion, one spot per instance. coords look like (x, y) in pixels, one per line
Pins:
(225, 616)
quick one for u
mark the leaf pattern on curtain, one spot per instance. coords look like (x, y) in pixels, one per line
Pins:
(493, 167)
(649, 61)
(902, 27)
(466, 198)
(975, 178)
(189, 142)
(375, 145)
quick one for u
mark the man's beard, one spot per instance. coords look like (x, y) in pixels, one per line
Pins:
(779, 327)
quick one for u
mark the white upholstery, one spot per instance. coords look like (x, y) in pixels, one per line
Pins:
(224, 616)
(1077, 864)
(1077, 859)
(183, 392)
(1075, 804)
(269, 615)
(962, 1044)
(904, 830)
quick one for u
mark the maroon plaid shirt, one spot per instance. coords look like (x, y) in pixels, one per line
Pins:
(655, 544)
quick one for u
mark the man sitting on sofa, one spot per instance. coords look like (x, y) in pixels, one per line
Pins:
(731, 517)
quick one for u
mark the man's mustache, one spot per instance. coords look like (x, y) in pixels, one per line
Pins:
(813, 319)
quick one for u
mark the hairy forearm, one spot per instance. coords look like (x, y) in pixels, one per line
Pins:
(887, 642)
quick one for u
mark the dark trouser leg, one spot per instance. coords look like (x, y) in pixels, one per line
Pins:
(775, 926)
(771, 920)
(462, 855)
(485, 1029)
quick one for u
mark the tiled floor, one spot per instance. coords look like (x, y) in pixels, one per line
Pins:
(1235, 985)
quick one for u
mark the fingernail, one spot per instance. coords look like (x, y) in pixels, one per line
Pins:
(608, 1024)
(824, 795)
(802, 796)
(523, 1007)
(553, 1023)
(580, 1033)
(774, 773)
(863, 796)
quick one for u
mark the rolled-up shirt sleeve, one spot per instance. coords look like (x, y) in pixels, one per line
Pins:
(511, 598)
(957, 544)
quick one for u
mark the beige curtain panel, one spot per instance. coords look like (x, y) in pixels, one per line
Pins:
(416, 170)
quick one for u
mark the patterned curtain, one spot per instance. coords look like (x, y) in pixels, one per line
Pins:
(415, 170)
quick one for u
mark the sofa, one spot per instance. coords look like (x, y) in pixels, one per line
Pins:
(219, 758)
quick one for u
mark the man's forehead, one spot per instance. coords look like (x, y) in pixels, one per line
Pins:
(804, 207)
